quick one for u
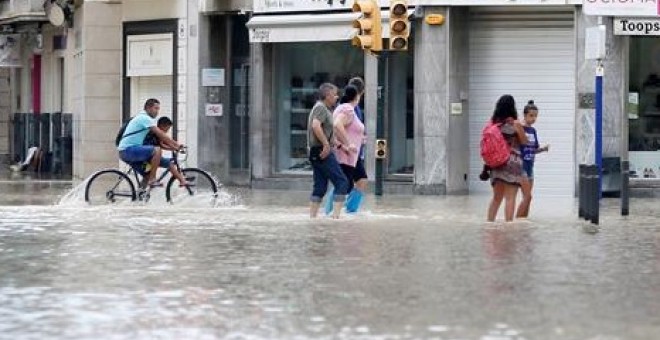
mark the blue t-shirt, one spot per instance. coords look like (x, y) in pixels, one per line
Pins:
(141, 123)
(528, 150)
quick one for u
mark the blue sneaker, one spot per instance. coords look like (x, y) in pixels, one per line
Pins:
(354, 200)
(329, 201)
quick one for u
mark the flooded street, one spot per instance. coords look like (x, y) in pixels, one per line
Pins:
(258, 268)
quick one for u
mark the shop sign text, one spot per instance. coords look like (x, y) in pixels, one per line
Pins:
(633, 8)
(302, 5)
(636, 26)
(260, 35)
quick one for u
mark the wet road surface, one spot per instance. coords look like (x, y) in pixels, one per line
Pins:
(259, 268)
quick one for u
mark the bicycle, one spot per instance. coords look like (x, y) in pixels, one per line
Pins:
(113, 186)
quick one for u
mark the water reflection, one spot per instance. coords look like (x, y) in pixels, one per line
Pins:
(407, 268)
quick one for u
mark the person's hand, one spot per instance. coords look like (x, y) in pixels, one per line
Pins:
(352, 148)
(182, 148)
(545, 148)
(325, 152)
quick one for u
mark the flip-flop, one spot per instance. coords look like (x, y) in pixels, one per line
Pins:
(186, 185)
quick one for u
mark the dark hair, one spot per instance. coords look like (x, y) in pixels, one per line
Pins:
(150, 103)
(164, 121)
(358, 83)
(350, 93)
(504, 109)
(530, 107)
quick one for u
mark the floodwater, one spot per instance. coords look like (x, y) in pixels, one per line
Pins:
(256, 267)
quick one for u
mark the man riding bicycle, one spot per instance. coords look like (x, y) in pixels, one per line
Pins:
(132, 149)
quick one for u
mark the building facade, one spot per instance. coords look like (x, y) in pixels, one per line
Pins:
(239, 78)
(439, 94)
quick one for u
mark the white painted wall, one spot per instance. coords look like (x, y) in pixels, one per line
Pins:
(138, 10)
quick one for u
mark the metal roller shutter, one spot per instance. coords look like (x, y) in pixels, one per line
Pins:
(530, 55)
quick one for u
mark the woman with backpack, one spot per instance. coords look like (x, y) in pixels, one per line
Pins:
(500, 148)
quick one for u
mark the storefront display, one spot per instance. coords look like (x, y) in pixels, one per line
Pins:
(644, 108)
(300, 69)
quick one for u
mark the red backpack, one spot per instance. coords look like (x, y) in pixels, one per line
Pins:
(495, 150)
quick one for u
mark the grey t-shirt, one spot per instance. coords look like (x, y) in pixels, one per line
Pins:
(321, 113)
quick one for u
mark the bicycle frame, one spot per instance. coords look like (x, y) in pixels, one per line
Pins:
(139, 179)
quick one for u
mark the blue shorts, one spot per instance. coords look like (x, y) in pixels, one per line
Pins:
(528, 170)
(138, 156)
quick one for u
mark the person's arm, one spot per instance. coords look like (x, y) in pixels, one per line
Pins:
(317, 129)
(166, 146)
(540, 148)
(164, 138)
(520, 132)
(341, 121)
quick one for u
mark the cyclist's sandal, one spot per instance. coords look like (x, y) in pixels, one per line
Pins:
(187, 185)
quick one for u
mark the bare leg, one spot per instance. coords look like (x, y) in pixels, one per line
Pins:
(510, 193)
(155, 162)
(314, 209)
(337, 209)
(362, 184)
(177, 175)
(523, 209)
(498, 195)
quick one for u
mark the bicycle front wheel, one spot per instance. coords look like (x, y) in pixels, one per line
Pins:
(202, 187)
(109, 187)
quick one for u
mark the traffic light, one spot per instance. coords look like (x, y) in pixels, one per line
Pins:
(399, 25)
(381, 148)
(370, 35)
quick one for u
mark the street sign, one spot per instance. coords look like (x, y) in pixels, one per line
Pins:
(634, 26)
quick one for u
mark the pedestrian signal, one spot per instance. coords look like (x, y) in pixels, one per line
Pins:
(369, 36)
(399, 25)
(381, 148)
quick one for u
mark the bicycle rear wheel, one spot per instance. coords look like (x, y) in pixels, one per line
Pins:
(109, 187)
(203, 188)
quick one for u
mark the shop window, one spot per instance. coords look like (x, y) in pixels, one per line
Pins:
(644, 107)
(300, 68)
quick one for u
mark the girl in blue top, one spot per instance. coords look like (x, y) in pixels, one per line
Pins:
(528, 152)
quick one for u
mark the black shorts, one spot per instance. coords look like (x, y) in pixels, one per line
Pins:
(359, 172)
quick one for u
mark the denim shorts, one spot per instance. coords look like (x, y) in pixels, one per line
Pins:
(139, 156)
(137, 153)
(528, 169)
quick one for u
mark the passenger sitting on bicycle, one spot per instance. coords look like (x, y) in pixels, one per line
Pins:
(131, 147)
(164, 124)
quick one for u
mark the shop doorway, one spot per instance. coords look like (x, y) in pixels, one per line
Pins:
(644, 108)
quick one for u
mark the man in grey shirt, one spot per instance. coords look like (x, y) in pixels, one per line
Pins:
(324, 164)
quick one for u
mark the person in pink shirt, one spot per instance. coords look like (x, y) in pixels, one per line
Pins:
(349, 135)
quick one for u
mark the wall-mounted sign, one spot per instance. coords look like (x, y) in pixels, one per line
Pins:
(632, 8)
(150, 55)
(213, 110)
(595, 43)
(213, 77)
(634, 26)
(302, 5)
(10, 50)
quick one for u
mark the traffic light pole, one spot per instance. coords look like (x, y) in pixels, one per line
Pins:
(380, 118)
